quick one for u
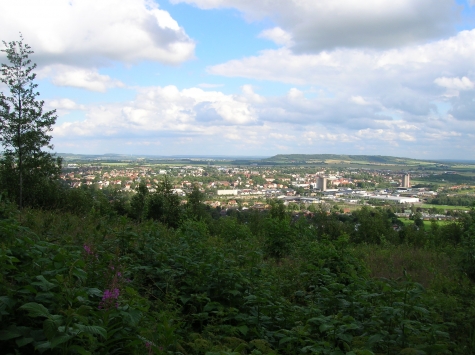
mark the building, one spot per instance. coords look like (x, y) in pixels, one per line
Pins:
(398, 199)
(322, 183)
(228, 192)
(406, 180)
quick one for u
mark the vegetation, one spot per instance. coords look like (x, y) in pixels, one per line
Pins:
(454, 200)
(111, 281)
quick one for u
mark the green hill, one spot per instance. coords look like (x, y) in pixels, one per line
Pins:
(343, 159)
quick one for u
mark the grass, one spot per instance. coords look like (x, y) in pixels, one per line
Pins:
(427, 224)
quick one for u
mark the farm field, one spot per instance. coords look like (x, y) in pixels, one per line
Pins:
(427, 224)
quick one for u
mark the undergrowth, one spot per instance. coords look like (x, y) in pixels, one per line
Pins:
(102, 284)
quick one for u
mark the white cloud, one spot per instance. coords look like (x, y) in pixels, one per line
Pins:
(316, 25)
(190, 120)
(295, 93)
(359, 100)
(406, 81)
(249, 94)
(455, 84)
(64, 104)
(357, 67)
(209, 86)
(162, 109)
(282, 136)
(278, 36)
(89, 79)
(94, 33)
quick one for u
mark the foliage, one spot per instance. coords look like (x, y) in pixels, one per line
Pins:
(453, 200)
(467, 250)
(100, 283)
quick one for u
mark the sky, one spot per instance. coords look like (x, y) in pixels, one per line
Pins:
(253, 78)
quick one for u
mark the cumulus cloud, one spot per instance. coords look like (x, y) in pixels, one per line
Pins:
(64, 104)
(278, 36)
(463, 83)
(190, 119)
(162, 109)
(89, 79)
(359, 100)
(94, 33)
(210, 86)
(452, 55)
(454, 85)
(407, 81)
(326, 24)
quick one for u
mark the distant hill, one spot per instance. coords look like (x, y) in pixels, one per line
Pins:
(342, 159)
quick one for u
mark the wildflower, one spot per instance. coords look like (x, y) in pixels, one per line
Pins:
(108, 297)
(148, 345)
(87, 248)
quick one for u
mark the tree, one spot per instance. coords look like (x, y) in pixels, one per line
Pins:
(195, 206)
(24, 130)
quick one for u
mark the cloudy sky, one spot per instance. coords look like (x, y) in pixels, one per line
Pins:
(247, 77)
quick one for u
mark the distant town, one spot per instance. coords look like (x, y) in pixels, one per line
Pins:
(301, 188)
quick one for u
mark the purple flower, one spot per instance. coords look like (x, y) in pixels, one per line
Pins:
(87, 248)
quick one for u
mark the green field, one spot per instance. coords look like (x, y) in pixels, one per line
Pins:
(427, 224)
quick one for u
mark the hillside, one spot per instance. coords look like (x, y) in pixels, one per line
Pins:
(343, 159)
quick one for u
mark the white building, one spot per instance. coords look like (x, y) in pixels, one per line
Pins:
(228, 192)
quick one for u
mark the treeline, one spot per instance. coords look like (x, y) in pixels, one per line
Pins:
(453, 200)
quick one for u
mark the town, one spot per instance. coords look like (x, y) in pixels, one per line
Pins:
(300, 188)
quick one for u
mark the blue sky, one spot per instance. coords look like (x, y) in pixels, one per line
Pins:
(240, 77)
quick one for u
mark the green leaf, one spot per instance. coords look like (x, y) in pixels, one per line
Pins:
(285, 340)
(324, 327)
(80, 274)
(23, 341)
(421, 310)
(376, 338)
(78, 349)
(43, 346)
(345, 337)
(243, 329)
(9, 334)
(7, 301)
(134, 316)
(50, 328)
(364, 352)
(44, 284)
(184, 299)
(94, 292)
(60, 340)
(92, 329)
(36, 310)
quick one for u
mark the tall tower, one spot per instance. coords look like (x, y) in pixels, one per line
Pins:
(322, 183)
(406, 180)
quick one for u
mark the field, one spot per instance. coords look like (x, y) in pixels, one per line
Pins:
(427, 224)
